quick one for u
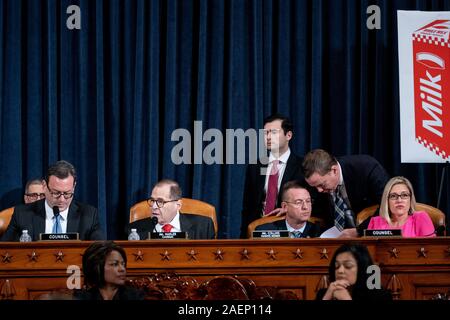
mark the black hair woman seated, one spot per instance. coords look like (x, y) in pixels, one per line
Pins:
(348, 276)
(104, 269)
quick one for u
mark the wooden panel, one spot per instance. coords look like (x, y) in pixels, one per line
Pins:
(417, 268)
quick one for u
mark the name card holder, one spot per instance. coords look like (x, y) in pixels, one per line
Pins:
(270, 234)
(383, 233)
(167, 235)
(59, 236)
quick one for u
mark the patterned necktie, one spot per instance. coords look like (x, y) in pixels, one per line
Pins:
(57, 224)
(296, 234)
(339, 212)
(272, 188)
(167, 227)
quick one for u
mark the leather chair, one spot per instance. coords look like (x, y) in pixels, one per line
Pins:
(436, 215)
(142, 210)
(5, 218)
(269, 219)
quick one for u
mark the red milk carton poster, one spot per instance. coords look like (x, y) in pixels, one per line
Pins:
(431, 54)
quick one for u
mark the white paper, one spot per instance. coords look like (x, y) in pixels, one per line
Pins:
(331, 233)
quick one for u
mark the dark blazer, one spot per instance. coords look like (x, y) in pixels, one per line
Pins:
(123, 293)
(312, 230)
(82, 218)
(196, 226)
(364, 179)
(254, 194)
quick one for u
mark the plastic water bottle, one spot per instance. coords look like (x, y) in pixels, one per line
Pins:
(133, 235)
(25, 237)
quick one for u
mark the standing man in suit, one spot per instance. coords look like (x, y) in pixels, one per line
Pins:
(297, 203)
(262, 182)
(352, 183)
(40, 217)
(165, 202)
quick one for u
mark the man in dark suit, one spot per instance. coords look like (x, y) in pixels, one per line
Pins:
(297, 203)
(165, 202)
(282, 164)
(41, 217)
(352, 183)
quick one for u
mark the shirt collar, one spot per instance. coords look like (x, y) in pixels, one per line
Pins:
(341, 177)
(49, 212)
(283, 158)
(290, 229)
(175, 223)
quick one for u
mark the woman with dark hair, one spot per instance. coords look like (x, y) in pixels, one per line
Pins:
(104, 269)
(348, 276)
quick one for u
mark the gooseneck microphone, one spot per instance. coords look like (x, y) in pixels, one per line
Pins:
(56, 211)
(154, 222)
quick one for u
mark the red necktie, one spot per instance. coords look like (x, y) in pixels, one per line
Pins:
(272, 188)
(167, 227)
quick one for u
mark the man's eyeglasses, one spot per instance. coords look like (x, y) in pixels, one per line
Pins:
(299, 203)
(159, 202)
(395, 196)
(35, 196)
(58, 194)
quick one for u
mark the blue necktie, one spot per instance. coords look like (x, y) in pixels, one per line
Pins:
(57, 224)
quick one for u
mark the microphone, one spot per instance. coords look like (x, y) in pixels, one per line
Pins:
(438, 232)
(56, 211)
(154, 222)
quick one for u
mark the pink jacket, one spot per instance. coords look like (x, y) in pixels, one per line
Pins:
(419, 224)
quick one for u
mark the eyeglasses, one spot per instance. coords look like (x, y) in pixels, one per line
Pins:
(395, 196)
(58, 194)
(35, 196)
(299, 203)
(159, 202)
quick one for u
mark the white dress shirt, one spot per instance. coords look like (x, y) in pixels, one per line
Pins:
(175, 223)
(50, 219)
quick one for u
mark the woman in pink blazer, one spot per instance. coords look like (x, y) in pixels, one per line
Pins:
(397, 211)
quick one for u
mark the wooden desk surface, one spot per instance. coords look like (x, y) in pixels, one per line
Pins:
(415, 268)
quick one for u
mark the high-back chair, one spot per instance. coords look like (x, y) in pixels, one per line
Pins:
(269, 219)
(142, 210)
(5, 218)
(436, 215)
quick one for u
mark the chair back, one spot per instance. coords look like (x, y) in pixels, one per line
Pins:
(436, 215)
(5, 218)
(269, 219)
(142, 210)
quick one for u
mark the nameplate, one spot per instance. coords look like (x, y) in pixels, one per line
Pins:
(264, 234)
(383, 233)
(167, 235)
(59, 236)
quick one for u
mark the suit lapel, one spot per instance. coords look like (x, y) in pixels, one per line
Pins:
(261, 181)
(291, 168)
(73, 218)
(185, 225)
(307, 230)
(39, 220)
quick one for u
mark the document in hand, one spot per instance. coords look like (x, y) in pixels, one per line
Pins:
(331, 233)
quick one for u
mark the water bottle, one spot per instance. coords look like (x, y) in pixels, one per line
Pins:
(25, 237)
(133, 235)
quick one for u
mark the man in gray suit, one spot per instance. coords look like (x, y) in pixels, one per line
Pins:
(58, 212)
(165, 202)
